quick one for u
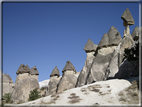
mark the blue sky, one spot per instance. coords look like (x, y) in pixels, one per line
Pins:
(49, 34)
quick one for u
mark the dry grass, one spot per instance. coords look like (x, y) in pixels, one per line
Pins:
(54, 95)
(74, 101)
(134, 94)
(72, 94)
(49, 102)
(73, 97)
(83, 90)
(86, 93)
(108, 86)
(121, 94)
(122, 99)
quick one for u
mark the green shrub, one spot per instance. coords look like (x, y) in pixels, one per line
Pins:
(7, 98)
(43, 88)
(35, 94)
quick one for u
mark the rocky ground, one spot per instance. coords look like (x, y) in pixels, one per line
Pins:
(111, 92)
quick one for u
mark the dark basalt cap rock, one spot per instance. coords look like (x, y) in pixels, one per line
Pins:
(135, 33)
(111, 38)
(34, 71)
(90, 46)
(127, 18)
(23, 69)
(7, 78)
(114, 36)
(55, 72)
(104, 41)
(69, 66)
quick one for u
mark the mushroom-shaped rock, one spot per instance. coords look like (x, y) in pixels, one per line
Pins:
(55, 72)
(104, 41)
(54, 80)
(135, 33)
(114, 36)
(23, 69)
(34, 71)
(7, 78)
(69, 66)
(111, 38)
(84, 76)
(20, 69)
(68, 80)
(127, 18)
(90, 46)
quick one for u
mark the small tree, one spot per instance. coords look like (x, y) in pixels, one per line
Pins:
(7, 98)
(132, 54)
(35, 94)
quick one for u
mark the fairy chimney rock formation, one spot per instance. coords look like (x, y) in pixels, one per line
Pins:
(112, 38)
(106, 47)
(68, 79)
(26, 81)
(90, 46)
(54, 80)
(84, 76)
(104, 41)
(69, 68)
(127, 21)
(8, 84)
(55, 72)
(7, 78)
(22, 72)
(135, 33)
(34, 72)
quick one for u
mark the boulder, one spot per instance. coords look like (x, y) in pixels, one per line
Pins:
(135, 33)
(22, 89)
(127, 18)
(54, 80)
(84, 76)
(68, 79)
